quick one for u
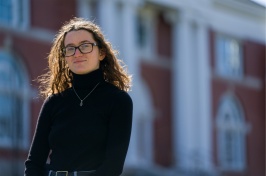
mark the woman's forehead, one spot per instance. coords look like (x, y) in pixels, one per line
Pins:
(77, 36)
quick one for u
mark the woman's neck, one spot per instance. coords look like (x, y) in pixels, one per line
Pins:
(87, 81)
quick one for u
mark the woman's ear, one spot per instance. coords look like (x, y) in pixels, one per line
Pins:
(102, 54)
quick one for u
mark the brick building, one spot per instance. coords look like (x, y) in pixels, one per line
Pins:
(199, 80)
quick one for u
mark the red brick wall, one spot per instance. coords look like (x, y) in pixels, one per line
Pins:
(159, 82)
(51, 14)
(253, 101)
(254, 58)
(164, 37)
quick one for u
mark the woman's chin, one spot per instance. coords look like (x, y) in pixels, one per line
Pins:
(82, 72)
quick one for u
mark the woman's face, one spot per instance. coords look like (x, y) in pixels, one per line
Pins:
(80, 63)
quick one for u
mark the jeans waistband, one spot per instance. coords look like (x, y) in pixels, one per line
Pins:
(66, 173)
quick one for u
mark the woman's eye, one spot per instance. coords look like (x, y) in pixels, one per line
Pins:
(70, 49)
(85, 46)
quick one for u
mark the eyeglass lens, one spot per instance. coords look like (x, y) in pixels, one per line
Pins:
(83, 48)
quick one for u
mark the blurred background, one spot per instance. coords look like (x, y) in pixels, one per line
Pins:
(198, 71)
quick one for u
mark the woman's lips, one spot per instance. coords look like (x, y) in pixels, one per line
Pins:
(79, 61)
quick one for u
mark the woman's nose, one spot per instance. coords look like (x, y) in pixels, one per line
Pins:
(77, 52)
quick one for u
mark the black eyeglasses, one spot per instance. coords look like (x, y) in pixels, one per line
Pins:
(84, 48)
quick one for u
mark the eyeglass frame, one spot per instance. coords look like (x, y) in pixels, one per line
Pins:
(77, 47)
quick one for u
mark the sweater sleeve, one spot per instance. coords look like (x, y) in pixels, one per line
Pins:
(119, 131)
(39, 150)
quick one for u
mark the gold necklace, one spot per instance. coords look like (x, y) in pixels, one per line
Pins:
(81, 100)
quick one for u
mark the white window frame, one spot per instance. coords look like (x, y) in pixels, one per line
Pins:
(17, 87)
(228, 57)
(230, 120)
(18, 20)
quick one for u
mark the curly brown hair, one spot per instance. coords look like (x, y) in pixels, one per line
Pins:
(59, 77)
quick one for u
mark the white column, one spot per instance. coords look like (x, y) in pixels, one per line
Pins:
(204, 95)
(83, 9)
(130, 58)
(175, 93)
(107, 19)
(192, 94)
(143, 110)
(184, 87)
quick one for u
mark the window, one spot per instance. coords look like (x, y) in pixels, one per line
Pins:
(231, 135)
(229, 62)
(14, 13)
(145, 23)
(5, 10)
(14, 103)
(141, 32)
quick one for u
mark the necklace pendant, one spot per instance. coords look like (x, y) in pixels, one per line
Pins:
(81, 101)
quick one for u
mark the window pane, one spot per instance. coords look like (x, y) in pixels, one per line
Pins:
(20, 12)
(228, 57)
(5, 11)
(228, 148)
(141, 31)
(14, 13)
(5, 117)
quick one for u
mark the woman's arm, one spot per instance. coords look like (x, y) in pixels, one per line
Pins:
(35, 163)
(119, 132)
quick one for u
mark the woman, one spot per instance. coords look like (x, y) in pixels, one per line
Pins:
(85, 122)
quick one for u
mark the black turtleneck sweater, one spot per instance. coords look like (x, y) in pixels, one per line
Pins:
(94, 136)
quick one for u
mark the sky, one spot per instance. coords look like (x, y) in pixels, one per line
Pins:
(262, 2)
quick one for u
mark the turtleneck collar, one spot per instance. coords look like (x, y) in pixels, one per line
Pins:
(87, 81)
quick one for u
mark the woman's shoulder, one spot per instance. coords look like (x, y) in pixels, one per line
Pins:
(114, 89)
(52, 102)
(57, 96)
(118, 95)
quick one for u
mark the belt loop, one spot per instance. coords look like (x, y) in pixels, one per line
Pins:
(49, 173)
(75, 173)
